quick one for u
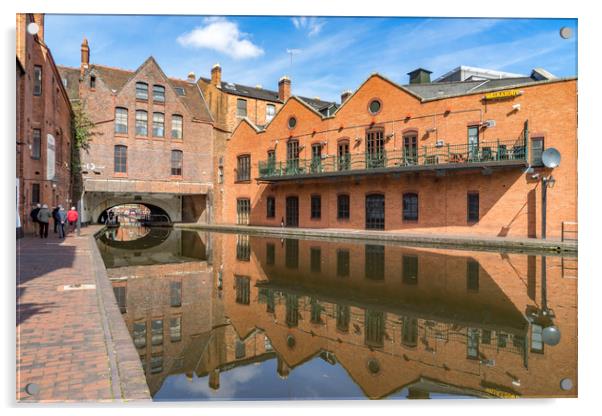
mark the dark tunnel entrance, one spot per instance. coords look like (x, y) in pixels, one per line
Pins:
(134, 214)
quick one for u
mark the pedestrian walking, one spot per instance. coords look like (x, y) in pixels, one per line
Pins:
(72, 217)
(62, 219)
(44, 218)
(55, 218)
(34, 218)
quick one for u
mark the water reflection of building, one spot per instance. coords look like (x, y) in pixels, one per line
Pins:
(430, 320)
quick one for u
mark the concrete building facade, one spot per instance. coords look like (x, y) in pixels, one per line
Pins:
(455, 157)
(152, 143)
(43, 126)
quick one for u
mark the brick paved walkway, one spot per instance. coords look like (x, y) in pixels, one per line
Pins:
(73, 344)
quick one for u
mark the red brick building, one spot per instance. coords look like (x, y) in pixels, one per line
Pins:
(153, 140)
(438, 157)
(43, 134)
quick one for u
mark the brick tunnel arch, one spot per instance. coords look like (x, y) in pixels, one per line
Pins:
(154, 210)
(96, 204)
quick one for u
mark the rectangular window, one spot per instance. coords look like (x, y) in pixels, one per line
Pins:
(270, 112)
(316, 158)
(141, 91)
(410, 207)
(37, 80)
(141, 123)
(344, 158)
(158, 125)
(243, 168)
(536, 151)
(375, 149)
(35, 193)
(270, 254)
(176, 126)
(157, 332)
(175, 329)
(410, 269)
(473, 143)
(316, 207)
(241, 107)
(243, 209)
(139, 334)
(292, 157)
(472, 275)
(120, 297)
(158, 93)
(120, 160)
(243, 248)
(36, 145)
(176, 162)
(342, 263)
(243, 289)
(315, 259)
(473, 207)
(343, 207)
(121, 120)
(271, 207)
(175, 294)
(375, 262)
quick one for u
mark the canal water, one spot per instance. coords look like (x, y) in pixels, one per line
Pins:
(237, 317)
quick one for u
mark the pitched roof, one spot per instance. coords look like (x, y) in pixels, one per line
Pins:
(116, 78)
(266, 95)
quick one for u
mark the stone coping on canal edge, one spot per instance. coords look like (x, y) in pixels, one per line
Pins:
(73, 345)
(466, 242)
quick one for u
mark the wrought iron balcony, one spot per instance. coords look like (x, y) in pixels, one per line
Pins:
(444, 157)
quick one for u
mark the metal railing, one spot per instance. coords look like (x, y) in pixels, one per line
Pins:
(412, 156)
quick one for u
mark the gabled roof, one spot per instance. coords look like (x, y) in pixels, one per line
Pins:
(116, 78)
(266, 95)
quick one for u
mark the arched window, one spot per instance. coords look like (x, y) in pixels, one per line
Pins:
(141, 91)
(177, 125)
(121, 120)
(410, 207)
(158, 125)
(159, 93)
(141, 123)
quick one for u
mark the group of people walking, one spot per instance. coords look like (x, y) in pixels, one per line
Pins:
(41, 216)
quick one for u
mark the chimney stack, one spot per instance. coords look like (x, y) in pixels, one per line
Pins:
(38, 18)
(420, 76)
(284, 88)
(345, 94)
(216, 75)
(191, 77)
(85, 57)
(214, 379)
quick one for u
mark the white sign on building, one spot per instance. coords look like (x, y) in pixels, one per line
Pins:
(50, 157)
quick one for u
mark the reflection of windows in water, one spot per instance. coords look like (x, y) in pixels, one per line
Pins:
(486, 336)
(409, 331)
(239, 350)
(267, 344)
(143, 361)
(502, 339)
(156, 364)
(410, 269)
(375, 328)
(316, 259)
(270, 254)
(157, 331)
(536, 338)
(175, 291)
(175, 329)
(243, 289)
(292, 254)
(292, 310)
(375, 262)
(316, 311)
(120, 297)
(472, 275)
(243, 248)
(342, 263)
(178, 364)
(139, 334)
(472, 344)
(343, 318)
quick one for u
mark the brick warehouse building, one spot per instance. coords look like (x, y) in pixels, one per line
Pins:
(230, 102)
(43, 126)
(441, 157)
(152, 144)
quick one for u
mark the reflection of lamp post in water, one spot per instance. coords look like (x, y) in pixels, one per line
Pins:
(550, 333)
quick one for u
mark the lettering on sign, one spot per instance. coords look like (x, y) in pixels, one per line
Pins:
(497, 95)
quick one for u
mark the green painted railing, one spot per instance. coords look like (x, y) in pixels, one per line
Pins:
(416, 156)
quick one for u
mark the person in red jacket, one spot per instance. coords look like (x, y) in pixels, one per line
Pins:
(72, 216)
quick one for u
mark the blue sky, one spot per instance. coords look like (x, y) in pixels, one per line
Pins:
(332, 54)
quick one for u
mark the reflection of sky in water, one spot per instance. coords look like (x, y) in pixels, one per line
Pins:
(315, 379)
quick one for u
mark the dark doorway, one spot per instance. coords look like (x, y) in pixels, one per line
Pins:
(292, 211)
(375, 212)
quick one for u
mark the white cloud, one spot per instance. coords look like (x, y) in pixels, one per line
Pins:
(313, 25)
(223, 36)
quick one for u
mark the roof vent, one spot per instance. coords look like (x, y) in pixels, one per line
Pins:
(191, 77)
(259, 86)
(420, 76)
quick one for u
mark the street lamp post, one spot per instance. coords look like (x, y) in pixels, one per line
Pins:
(545, 182)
